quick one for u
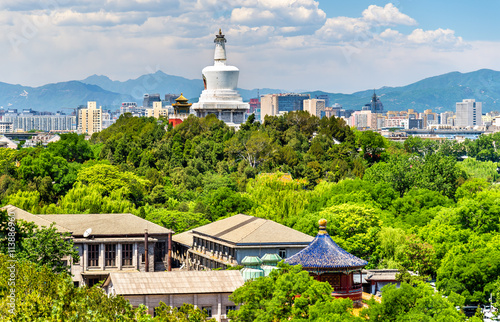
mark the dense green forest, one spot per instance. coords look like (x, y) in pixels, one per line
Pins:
(426, 206)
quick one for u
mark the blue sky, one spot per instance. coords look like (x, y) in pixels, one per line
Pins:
(473, 20)
(336, 46)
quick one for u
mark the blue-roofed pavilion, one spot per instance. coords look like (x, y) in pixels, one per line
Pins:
(328, 262)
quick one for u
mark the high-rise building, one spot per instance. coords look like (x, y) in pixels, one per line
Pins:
(89, 119)
(149, 99)
(448, 118)
(220, 96)
(324, 97)
(429, 117)
(468, 113)
(170, 99)
(315, 107)
(276, 104)
(375, 106)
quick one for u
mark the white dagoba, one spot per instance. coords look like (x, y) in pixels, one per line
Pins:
(220, 96)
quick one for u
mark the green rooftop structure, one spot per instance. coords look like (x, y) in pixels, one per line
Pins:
(270, 262)
(252, 268)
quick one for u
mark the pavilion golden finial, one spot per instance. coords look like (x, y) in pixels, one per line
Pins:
(322, 226)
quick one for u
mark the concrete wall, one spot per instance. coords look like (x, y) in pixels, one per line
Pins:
(138, 249)
(151, 255)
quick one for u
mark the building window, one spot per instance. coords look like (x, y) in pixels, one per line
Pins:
(93, 281)
(127, 254)
(159, 251)
(93, 254)
(282, 253)
(110, 255)
(230, 308)
(77, 261)
(207, 309)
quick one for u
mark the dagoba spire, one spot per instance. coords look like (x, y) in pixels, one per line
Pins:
(220, 49)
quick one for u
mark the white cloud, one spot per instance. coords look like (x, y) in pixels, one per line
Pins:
(390, 34)
(440, 38)
(251, 16)
(282, 13)
(364, 28)
(99, 18)
(387, 16)
(272, 42)
(344, 28)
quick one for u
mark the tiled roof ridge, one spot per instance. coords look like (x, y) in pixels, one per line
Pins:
(241, 224)
(9, 207)
(95, 214)
(264, 221)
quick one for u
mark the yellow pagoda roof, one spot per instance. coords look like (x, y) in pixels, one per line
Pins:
(181, 101)
(181, 98)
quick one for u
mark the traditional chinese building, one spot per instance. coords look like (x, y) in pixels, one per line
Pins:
(182, 110)
(327, 262)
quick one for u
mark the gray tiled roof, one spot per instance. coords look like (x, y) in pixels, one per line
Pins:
(176, 282)
(243, 229)
(26, 216)
(383, 274)
(101, 224)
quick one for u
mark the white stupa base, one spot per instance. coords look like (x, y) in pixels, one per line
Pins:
(226, 113)
(230, 96)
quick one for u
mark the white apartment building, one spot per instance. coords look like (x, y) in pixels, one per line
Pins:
(448, 118)
(468, 113)
(46, 123)
(363, 120)
(90, 119)
(315, 106)
(6, 127)
(157, 110)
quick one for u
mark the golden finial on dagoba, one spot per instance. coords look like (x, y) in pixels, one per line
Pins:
(322, 226)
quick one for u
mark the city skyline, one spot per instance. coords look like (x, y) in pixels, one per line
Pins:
(293, 44)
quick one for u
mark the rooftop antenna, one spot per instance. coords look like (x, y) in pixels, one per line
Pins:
(87, 232)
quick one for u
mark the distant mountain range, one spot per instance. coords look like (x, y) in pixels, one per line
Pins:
(439, 93)
(162, 83)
